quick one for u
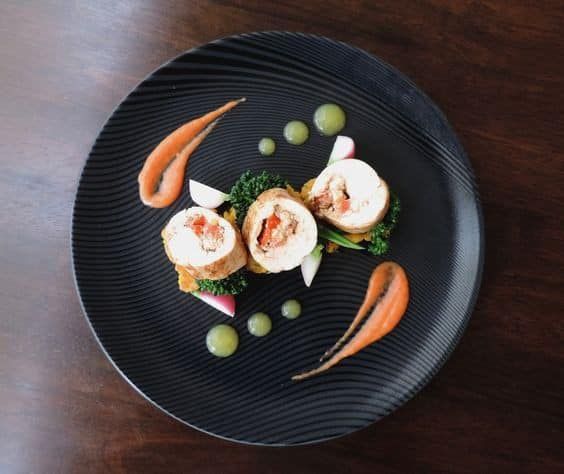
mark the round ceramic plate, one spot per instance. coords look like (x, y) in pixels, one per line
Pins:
(155, 334)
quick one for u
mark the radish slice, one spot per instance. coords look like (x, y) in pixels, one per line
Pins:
(223, 303)
(310, 264)
(206, 196)
(342, 149)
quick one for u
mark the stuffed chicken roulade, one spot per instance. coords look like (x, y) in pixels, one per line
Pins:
(279, 230)
(350, 195)
(205, 244)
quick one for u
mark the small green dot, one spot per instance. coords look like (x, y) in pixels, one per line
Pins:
(222, 340)
(291, 309)
(296, 132)
(329, 119)
(267, 146)
(259, 324)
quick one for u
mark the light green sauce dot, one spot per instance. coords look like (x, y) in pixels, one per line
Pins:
(267, 146)
(222, 340)
(296, 132)
(329, 119)
(259, 324)
(291, 309)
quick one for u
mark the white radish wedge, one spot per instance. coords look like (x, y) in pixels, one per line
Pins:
(342, 149)
(310, 264)
(206, 196)
(223, 303)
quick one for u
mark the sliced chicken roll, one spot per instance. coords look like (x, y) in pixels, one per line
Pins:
(350, 195)
(279, 230)
(208, 246)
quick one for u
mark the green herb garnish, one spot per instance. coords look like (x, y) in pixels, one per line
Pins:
(380, 233)
(232, 285)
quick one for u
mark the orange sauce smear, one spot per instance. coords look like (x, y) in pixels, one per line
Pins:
(162, 175)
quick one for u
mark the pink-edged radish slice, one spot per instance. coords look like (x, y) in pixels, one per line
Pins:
(223, 303)
(206, 196)
(342, 149)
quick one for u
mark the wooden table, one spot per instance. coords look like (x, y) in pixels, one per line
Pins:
(495, 68)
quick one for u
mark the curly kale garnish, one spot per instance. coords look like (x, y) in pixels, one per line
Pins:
(380, 233)
(232, 285)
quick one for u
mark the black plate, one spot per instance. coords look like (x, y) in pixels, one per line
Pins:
(155, 335)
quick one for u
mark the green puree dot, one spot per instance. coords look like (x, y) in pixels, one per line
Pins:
(291, 309)
(259, 324)
(296, 132)
(222, 340)
(329, 119)
(267, 146)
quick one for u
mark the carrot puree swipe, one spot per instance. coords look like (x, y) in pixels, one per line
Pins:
(388, 295)
(162, 175)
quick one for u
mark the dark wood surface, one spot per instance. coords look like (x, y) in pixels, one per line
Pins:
(495, 68)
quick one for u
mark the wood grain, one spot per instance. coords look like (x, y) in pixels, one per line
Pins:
(495, 68)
